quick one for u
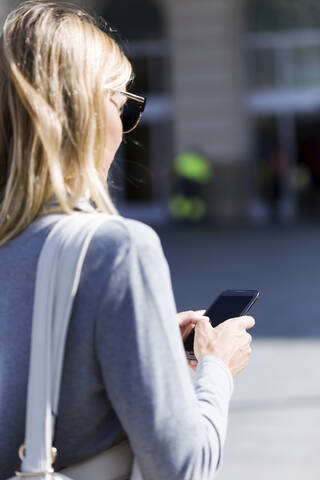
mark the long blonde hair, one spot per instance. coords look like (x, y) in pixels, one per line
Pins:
(56, 67)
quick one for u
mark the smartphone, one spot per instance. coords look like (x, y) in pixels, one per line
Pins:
(229, 304)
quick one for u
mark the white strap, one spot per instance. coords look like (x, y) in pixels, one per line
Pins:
(57, 281)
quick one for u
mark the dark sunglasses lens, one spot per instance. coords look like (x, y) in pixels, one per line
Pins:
(130, 115)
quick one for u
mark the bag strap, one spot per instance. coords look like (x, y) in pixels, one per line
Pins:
(57, 280)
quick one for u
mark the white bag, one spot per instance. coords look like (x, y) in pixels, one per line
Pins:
(58, 275)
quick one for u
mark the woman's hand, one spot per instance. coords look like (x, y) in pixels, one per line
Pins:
(187, 321)
(229, 341)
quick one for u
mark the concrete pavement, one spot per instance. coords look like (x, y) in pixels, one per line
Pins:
(274, 427)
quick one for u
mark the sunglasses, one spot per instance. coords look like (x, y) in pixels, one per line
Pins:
(131, 111)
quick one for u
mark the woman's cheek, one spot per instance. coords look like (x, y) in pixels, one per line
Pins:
(113, 134)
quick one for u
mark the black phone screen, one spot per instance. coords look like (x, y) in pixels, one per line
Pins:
(225, 306)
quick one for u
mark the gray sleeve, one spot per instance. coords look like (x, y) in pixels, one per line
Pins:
(176, 430)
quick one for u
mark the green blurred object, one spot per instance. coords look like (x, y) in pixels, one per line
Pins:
(182, 207)
(193, 171)
(193, 166)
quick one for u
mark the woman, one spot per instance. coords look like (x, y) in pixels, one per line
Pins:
(63, 113)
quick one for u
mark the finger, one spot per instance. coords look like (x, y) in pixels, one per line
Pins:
(192, 322)
(246, 322)
(249, 338)
(193, 366)
(193, 363)
(185, 318)
(203, 324)
(189, 323)
(201, 312)
(187, 330)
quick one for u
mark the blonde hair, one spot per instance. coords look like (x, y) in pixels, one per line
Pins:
(56, 67)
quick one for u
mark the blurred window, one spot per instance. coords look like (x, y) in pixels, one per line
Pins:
(279, 15)
(283, 43)
(262, 64)
(306, 64)
(266, 153)
(307, 173)
(284, 59)
(149, 73)
(136, 19)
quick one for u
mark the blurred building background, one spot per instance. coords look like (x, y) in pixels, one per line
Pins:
(237, 82)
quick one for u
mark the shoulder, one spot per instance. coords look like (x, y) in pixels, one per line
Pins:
(118, 235)
(127, 232)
